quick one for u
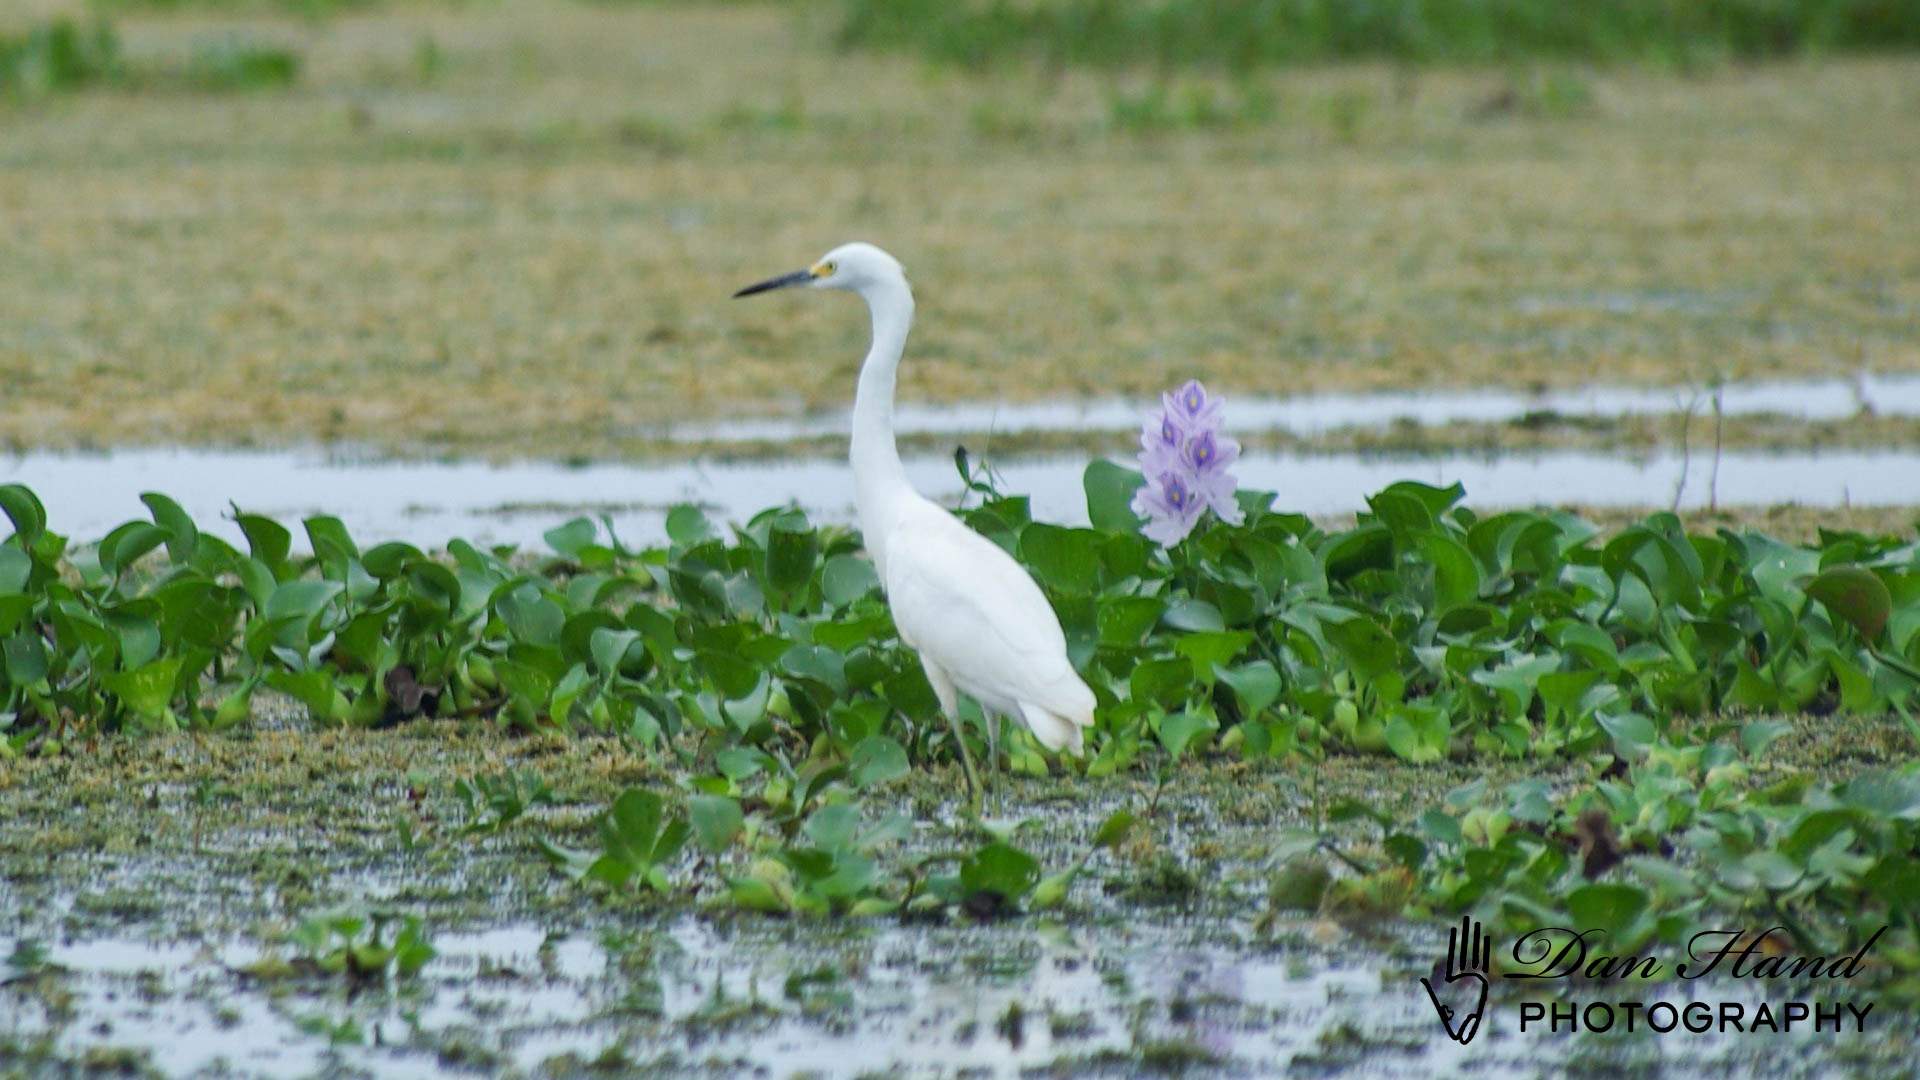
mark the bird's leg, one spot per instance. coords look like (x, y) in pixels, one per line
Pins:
(966, 759)
(949, 697)
(993, 753)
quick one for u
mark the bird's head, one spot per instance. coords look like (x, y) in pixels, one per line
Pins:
(855, 267)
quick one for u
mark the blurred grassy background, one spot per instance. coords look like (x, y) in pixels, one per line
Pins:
(1251, 33)
(510, 228)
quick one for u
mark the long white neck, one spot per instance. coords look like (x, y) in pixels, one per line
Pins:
(880, 481)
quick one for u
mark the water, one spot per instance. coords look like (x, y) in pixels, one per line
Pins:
(845, 999)
(1314, 414)
(428, 503)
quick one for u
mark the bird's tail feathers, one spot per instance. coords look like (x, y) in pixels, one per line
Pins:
(1061, 731)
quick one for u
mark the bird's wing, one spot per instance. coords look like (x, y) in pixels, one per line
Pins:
(961, 600)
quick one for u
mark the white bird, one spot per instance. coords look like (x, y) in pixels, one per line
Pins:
(980, 624)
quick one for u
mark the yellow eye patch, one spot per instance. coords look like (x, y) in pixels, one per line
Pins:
(821, 269)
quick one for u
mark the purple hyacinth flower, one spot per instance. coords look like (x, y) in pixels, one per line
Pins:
(1207, 456)
(1186, 458)
(1170, 507)
(1192, 407)
(1161, 443)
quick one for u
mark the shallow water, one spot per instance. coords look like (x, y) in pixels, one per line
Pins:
(838, 999)
(1314, 414)
(428, 503)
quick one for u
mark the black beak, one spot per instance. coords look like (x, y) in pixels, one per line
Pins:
(798, 277)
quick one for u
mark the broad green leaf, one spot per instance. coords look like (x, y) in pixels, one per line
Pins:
(1163, 682)
(1178, 730)
(1125, 621)
(1195, 615)
(791, 554)
(716, 820)
(16, 569)
(147, 690)
(183, 536)
(846, 579)
(267, 539)
(875, 761)
(530, 616)
(26, 659)
(1255, 685)
(1066, 560)
(1856, 595)
(1114, 829)
(1416, 734)
(301, 600)
(23, 508)
(127, 544)
(687, 526)
(1210, 650)
(572, 538)
(1110, 490)
(1000, 869)
(1606, 907)
(1456, 576)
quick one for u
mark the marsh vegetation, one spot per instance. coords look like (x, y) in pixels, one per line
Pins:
(283, 794)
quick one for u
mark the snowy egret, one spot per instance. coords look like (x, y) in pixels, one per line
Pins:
(980, 624)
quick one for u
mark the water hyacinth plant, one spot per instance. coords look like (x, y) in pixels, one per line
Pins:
(1186, 457)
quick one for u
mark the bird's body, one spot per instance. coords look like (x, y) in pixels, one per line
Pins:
(982, 627)
(980, 624)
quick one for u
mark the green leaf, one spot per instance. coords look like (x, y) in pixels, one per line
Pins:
(314, 689)
(23, 507)
(999, 869)
(1178, 730)
(390, 560)
(1065, 560)
(301, 600)
(1757, 735)
(876, 760)
(1608, 907)
(687, 526)
(531, 617)
(1114, 829)
(16, 569)
(716, 821)
(1632, 733)
(1125, 621)
(610, 647)
(1195, 615)
(832, 828)
(1371, 650)
(635, 821)
(332, 546)
(14, 610)
(1162, 682)
(1210, 650)
(126, 545)
(846, 579)
(1110, 489)
(1418, 735)
(1856, 595)
(267, 539)
(26, 659)
(791, 552)
(183, 536)
(1255, 685)
(572, 538)
(1456, 576)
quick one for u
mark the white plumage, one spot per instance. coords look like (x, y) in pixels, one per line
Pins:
(980, 624)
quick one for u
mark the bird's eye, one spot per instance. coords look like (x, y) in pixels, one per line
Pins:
(829, 267)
